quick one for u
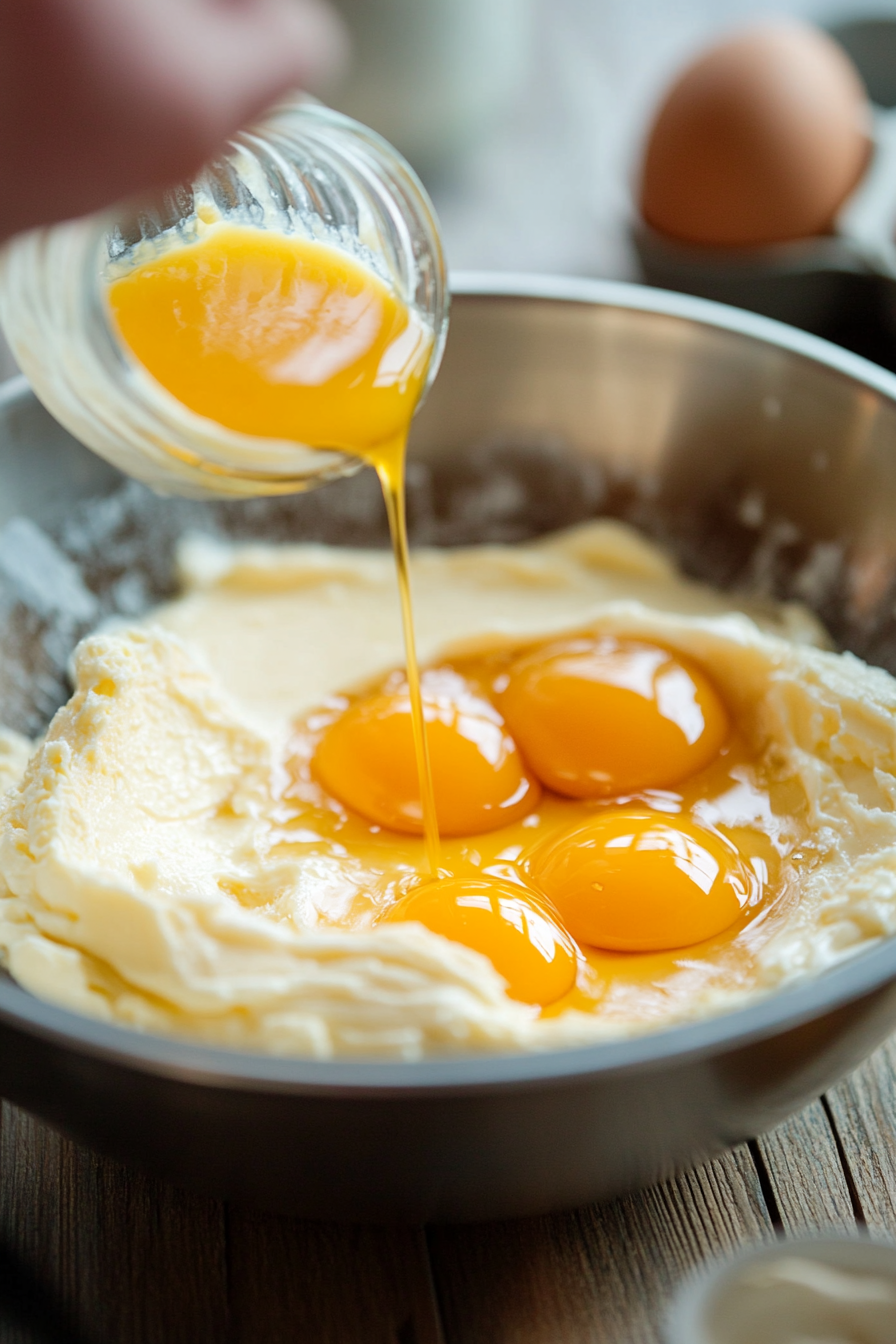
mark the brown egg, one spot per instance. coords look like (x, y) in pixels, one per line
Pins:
(760, 141)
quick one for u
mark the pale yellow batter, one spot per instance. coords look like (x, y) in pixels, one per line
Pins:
(144, 879)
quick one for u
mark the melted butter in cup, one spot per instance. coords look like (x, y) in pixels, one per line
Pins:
(814, 1291)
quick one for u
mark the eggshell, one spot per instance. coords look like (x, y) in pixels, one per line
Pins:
(759, 141)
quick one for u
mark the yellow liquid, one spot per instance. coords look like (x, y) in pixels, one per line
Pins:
(283, 338)
(645, 986)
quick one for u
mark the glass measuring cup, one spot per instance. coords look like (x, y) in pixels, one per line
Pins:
(304, 170)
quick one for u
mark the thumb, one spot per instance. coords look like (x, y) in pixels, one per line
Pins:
(266, 48)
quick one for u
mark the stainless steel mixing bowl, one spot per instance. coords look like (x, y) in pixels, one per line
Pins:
(763, 456)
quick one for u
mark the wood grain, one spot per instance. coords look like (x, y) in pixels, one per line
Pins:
(809, 1189)
(600, 1275)
(293, 1282)
(135, 1261)
(131, 1258)
(863, 1110)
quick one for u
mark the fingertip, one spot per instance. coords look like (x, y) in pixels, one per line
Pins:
(256, 53)
(318, 41)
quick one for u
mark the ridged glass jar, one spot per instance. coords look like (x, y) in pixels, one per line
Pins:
(304, 170)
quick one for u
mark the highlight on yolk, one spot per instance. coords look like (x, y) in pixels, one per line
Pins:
(277, 336)
(638, 881)
(366, 759)
(602, 716)
(522, 940)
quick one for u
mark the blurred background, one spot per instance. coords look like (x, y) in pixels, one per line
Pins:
(537, 174)
(527, 120)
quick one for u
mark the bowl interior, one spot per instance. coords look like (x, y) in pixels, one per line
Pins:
(764, 459)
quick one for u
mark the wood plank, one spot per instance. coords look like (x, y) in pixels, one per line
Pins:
(599, 1275)
(132, 1259)
(327, 1284)
(863, 1109)
(806, 1176)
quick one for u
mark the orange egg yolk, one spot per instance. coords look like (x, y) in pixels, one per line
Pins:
(637, 881)
(277, 336)
(366, 759)
(507, 924)
(602, 717)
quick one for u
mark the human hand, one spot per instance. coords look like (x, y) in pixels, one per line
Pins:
(103, 98)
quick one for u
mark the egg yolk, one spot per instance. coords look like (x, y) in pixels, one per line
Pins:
(284, 337)
(602, 717)
(275, 335)
(637, 881)
(507, 924)
(366, 759)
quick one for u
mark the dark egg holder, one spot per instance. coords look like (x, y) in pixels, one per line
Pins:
(841, 286)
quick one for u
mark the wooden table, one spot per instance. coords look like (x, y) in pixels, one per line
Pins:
(134, 1261)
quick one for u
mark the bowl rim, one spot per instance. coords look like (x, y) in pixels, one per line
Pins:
(177, 1059)
(864, 1251)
